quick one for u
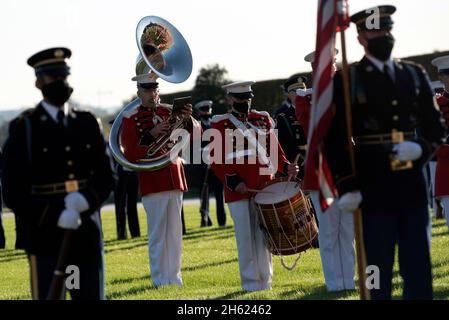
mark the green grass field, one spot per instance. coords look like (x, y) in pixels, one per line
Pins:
(210, 267)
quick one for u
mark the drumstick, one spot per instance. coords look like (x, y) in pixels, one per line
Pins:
(290, 177)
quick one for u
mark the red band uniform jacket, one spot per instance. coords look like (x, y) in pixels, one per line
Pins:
(232, 174)
(135, 139)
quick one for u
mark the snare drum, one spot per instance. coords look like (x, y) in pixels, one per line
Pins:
(286, 217)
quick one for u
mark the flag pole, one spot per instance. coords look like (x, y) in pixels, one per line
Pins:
(358, 228)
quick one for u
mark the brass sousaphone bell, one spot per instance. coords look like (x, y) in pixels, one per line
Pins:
(165, 52)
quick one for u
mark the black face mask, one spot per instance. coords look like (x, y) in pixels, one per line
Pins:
(381, 47)
(57, 92)
(241, 107)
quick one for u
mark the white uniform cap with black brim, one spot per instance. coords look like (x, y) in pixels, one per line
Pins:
(442, 63)
(240, 90)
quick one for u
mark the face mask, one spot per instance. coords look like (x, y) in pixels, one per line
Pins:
(57, 92)
(381, 47)
(242, 107)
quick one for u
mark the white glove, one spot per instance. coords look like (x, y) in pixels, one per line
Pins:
(75, 201)
(349, 201)
(69, 219)
(304, 92)
(407, 150)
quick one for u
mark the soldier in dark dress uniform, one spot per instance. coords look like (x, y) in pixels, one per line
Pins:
(210, 180)
(126, 187)
(396, 129)
(56, 177)
(125, 198)
(290, 132)
(291, 135)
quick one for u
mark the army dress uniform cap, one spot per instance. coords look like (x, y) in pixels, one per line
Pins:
(51, 61)
(204, 103)
(311, 56)
(294, 83)
(240, 90)
(442, 63)
(365, 20)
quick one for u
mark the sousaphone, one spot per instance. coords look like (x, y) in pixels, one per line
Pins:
(165, 52)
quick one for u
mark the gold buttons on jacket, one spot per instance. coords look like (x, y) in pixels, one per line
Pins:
(394, 102)
(67, 148)
(71, 176)
(70, 163)
(395, 117)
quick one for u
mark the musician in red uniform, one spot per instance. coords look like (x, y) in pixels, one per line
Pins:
(336, 227)
(241, 168)
(161, 190)
(442, 169)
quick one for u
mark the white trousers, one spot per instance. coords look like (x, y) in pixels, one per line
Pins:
(445, 203)
(164, 236)
(336, 240)
(255, 265)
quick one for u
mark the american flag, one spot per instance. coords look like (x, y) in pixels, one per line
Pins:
(332, 16)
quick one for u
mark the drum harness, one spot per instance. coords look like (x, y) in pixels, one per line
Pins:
(252, 141)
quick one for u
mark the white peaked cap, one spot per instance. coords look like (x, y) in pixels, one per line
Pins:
(437, 85)
(146, 78)
(442, 63)
(239, 87)
(204, 103)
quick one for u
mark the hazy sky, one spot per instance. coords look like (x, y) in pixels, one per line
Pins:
(256, 40)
